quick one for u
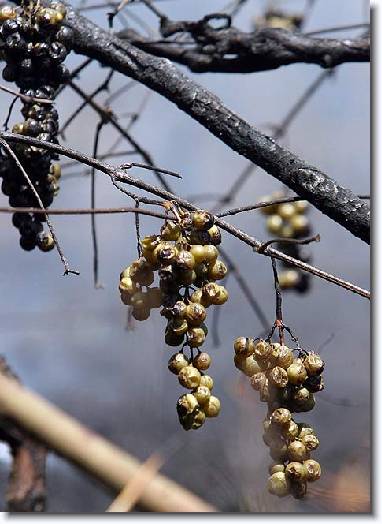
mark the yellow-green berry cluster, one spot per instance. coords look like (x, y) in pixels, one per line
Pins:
(287, 384)
(289, 220)
(185, 257)
(195, 406)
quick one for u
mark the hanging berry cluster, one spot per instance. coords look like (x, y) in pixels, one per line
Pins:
(287, 383)
(289, 220)
(31, 41)
(186, 258)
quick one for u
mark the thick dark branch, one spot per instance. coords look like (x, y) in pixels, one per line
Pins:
(160, 75)
(233, 51)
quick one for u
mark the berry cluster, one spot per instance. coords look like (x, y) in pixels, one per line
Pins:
(31, 42)
(289, 221)
(277, 18)
(186, 258)
(287, 383)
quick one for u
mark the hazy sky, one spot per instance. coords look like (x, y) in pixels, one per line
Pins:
(67, 340)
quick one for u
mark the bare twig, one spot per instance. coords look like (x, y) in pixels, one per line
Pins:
(25, 98)
(121, 176)
(10, 153)
(81, 211)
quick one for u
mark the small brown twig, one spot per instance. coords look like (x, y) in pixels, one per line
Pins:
(85, 211)
(25, 98)
(10, 153)
(302, 242)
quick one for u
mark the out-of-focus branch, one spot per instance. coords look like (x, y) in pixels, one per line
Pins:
(92, 453)
(26, 485)
(160, 75)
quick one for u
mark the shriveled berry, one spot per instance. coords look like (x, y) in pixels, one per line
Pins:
(212, 407)
(217, 271)
(207, 381)
(189, 377)
(314, 383)
(172, 339)
(247, 365)
(297, 451)
(165, 253)
(202, 361)
(184, 260)
(311, 442)
(196, 336)
(244, 346)
(296, 373)
(304, 429)
(258, 380)
(178, 326)
(278, 377)
(141, 313)
(262, 350)
(198, 419)
(195, 314)
(202, 394)
(214, 235)
(278, 484)
(202, 220)
(276, 468)
(313, 469)
(170, 230)
(296, 471)
(177, 362)
(313, 363)
(298, 489)
(284, 357)
(281, 417)
(291, 431)
(186, 404)
(301, 395)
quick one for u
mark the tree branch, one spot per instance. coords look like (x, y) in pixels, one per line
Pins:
(233, 51)
(120, 175)
(160, 75)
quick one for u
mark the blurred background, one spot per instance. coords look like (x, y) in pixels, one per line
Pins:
(69, 342)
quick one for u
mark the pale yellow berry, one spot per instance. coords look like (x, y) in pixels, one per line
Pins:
(189, 377)
(212, 407)
(278, 484)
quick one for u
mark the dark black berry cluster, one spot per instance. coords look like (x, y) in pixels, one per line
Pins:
(186, 258)
(32, 43)
(287, 383)
(289, 220)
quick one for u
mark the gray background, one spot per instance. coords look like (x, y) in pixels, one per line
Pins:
(68, 341)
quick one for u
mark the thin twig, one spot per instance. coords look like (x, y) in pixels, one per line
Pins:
(121, 176)
(26, 98)
(97, 284)
(83, 211)
(10, 152)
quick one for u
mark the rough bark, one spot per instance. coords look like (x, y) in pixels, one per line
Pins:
(160, 75)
